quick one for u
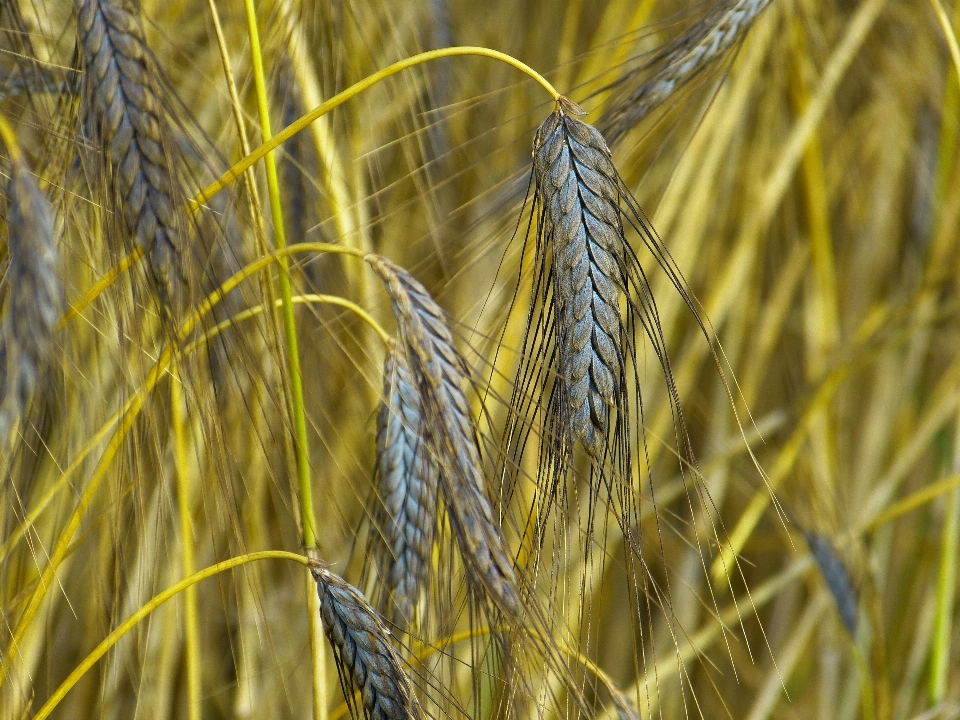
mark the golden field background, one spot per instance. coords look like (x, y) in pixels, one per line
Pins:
(805, 183)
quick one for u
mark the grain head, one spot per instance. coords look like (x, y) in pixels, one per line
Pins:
(34, 294)
(439, 375)
(708, 40)
(577, 190)
(407, 489)
(127, 115)
(366, 662)
(837, 578)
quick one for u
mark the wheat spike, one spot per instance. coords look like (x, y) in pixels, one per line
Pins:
(439, 378)
(408, 484)
(35, 294)
(127, 115)
(681, 61)
(578, 193)
(365, 659)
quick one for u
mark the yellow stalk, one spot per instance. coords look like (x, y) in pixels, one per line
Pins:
(724, 564)
(220, 328)
(946, 593)
(743, 254)
(948, 34)
(99, 287)
(237, 109)
(568, 39)
(9, 138)
(347, 216)
(914, 501)
(47, 578)
(308, 299)
(606, 71)
(184, 502)
(948, 119)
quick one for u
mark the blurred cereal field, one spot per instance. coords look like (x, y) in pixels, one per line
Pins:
(327, 431)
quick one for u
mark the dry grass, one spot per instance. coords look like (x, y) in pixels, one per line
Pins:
(498, 421)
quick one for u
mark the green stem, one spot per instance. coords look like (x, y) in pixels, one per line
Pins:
(946, 592)
(286, 293)
(144, 611)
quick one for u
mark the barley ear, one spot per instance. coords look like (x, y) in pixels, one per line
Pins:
(681, 61)
(123, 105)
(34, 297)
(408, 476)
(366, 662)
(439, 376)
(837, 578)
(577, 190)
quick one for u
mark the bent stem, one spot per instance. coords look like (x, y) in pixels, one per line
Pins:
(132, 621)
(309, 299)
(272, 143)
(339, 99)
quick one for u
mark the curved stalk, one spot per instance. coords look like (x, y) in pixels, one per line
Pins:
(275, 141)
(144, 611)
(339, 99)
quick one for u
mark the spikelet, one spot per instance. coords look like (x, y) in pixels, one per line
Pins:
(439, 378)
(366, 662)
(682, 60)
(407, 485)
(34, 294)
(126, 112)
(837, 578)
(577, 188)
